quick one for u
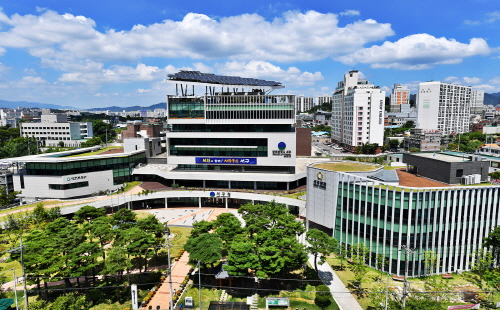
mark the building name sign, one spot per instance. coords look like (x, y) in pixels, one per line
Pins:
(80, 177)
(281, 151)
(226, 161)
(278, 301)
(220, 194)
(319, 183)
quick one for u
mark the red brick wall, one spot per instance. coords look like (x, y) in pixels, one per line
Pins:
(303, 137)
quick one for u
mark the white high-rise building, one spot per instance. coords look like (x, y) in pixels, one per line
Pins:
(303, 104)
(477, 102)
(443, 106)
(357, 112)
(322, 99)
(400, 97)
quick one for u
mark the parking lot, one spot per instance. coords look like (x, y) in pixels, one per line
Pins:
(327, 148)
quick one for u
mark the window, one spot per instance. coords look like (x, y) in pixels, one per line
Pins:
(459, 173)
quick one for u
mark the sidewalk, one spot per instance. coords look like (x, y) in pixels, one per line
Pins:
(179, 271)
(340, 293)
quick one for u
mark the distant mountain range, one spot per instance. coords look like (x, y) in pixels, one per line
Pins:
(5, 104)
(493, 99)
(161, 105)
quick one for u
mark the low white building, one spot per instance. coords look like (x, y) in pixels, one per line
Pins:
(54, 129)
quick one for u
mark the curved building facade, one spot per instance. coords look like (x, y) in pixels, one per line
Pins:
(373, 208)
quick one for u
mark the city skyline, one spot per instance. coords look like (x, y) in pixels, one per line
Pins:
(86, 55)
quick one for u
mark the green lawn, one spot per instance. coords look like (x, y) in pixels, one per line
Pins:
(207, 295)
(346, 166)
(99, 151)
(180, 239)
(4, 267)
(295, 195)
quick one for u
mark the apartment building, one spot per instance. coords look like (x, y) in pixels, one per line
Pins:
(477, 102)
(424, 140)
(323, 99)
(357, 112)
(55, 128)
(443, 106)
(400, 97)
(303, 104)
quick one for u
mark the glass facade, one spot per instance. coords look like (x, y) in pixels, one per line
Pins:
(233, 128)
(68, 186)
(245, 147)
(450, 222)
(121, 166)
(186, 108)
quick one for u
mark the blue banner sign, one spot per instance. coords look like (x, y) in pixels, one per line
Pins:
(226, 161)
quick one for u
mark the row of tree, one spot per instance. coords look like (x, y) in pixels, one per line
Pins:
(91, 244)
(267, 245)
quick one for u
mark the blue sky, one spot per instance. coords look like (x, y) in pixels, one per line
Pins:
(101, 53)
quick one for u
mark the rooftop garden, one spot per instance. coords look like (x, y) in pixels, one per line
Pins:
(346, 166)
(99, 151)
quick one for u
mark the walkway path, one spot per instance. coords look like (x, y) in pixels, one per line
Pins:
(340, 293)
(179, 271)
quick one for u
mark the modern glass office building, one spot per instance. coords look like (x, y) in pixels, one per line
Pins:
(387, 213)
(230, 133)
(60, 175)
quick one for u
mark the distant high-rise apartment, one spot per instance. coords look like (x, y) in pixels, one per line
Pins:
(322, 99)
(357, 112)
(443, 106)
(400, 96)
(303, 104)
(477, 102)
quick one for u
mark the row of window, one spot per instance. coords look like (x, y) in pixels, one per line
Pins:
(68, 186)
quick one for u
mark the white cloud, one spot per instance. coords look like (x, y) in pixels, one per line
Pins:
(418, 51)
(266, 70)
(489, 18)
(463, 81)
(115, 74)
(3, 68)
(141, 90)
(349, 13)
(59, 39)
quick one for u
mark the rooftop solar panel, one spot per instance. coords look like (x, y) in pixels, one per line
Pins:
(196, 76)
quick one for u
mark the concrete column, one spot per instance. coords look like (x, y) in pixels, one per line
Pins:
(129, 205)
(199, 202)
(287, 186)
(166, 203)
(204, 184)
(255, 185)
(226, 202)
(229, 184)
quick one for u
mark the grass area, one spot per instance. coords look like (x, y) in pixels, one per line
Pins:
(387, 167)
(4, 267)
(128, 186)
(346, 166)
(31, 205)
(207, 295)
(180, 238)
(99, 151)
(374, 281)
(295, 195)
(115, 306)
(142, 214)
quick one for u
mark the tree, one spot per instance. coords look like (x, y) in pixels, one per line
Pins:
(124, 218)
(241, 258)
(393, 144)
(206, 248)
(493, 242)
(481, 262)
(91, 142)
(323, 296)
(17, 147)
(7, 198)
(359, 254)
(320, 244)
(140, 244)
(201, 227)
(88, 213)
(413, 303)
(102, 130)
(70, 301)
(117, 261)
(430, 261)
(227, 227)
(366, 148)
(382, 262)
(100, 229)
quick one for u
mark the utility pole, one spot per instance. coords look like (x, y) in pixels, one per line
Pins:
(406, 283)
(169, 268)
(24, 275)
(199, 283)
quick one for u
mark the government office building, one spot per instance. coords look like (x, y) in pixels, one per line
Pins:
(62, 176)
(233, 135)
(386, 210)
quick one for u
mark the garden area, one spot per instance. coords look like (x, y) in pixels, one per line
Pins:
(87, 261)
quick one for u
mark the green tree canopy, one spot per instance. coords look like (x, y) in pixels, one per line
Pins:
(88, 213)
(320, 245)
(206, 248)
